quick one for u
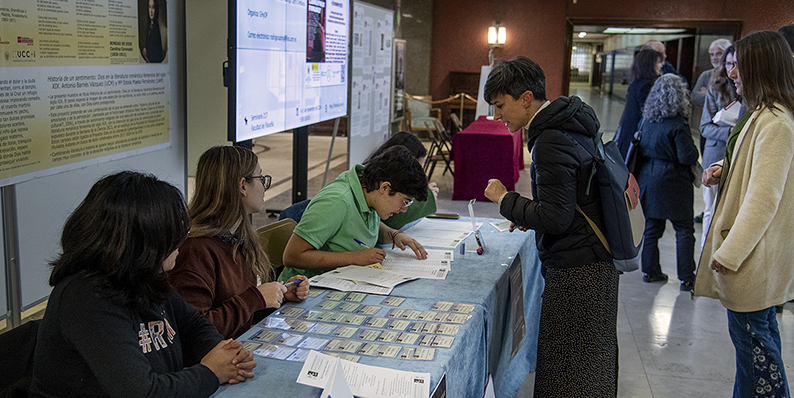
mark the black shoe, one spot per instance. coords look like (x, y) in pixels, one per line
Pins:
(686, 286)
(699, 219)
(648, 278)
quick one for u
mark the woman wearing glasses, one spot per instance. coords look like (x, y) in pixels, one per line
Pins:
(720, 93)
(221, 269)
(746, 260)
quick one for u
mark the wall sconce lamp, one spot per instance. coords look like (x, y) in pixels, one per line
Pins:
(497, 35)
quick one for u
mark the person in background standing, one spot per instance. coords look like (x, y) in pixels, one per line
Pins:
(748, 260)
(645, 68)
(665, 178)
(716, 51)
(721, 92)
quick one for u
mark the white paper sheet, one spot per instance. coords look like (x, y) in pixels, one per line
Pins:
(380, 277)
(436, 266)
(364, 380)
(440, 233)
(347, 285)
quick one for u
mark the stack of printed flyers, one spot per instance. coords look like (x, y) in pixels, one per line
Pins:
(398, 267)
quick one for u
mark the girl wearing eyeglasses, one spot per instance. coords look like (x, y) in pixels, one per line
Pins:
(747, 256)
(221, 269)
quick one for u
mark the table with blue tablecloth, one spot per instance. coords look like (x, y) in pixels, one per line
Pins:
(483, 344)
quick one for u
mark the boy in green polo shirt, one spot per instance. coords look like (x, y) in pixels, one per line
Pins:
(342, 224)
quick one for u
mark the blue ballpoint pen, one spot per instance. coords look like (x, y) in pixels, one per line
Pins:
(295, 282)
(361, 243)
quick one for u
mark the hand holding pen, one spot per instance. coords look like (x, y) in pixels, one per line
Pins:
(367, 255)
(297, 288)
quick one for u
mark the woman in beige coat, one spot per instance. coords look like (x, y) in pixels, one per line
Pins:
(748, 259)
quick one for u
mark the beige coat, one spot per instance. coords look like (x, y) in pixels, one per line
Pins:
(752, 230)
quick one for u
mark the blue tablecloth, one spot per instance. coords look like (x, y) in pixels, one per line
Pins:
(482, 346)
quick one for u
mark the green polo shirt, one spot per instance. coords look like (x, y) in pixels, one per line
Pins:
(335, 218)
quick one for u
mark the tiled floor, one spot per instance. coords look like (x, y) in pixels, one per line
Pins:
(670, 345)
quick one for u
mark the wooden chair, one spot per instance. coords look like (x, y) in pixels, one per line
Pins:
(440, 147)
(273, 238)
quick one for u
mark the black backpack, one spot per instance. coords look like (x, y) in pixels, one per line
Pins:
(624, 221)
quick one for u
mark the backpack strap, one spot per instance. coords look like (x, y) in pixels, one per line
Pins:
(597, 231)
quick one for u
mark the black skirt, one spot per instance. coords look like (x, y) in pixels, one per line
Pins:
(577, 340)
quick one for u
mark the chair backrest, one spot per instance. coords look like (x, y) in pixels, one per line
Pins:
(16, 359)
(419, 108)
(273, 238)
(456, 121)
(294, 211)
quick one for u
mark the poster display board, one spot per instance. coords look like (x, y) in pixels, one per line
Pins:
(371, 80)
(81, 82)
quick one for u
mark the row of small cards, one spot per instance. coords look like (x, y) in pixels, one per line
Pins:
(357, 297)
(296, 325)
(345, 349)
(385, 336)
(353, 319)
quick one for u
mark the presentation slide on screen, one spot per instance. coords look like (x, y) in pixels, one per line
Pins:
(80, 81)
(291, 64)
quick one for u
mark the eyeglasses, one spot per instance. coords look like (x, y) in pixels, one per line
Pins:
(730, 65)
(407, 202)
(266, 180)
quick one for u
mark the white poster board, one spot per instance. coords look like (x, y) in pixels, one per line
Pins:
(371, 80)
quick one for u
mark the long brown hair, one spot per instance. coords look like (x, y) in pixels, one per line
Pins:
(767, 71)
(217, 206)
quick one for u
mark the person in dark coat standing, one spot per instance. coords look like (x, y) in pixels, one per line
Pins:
(665, 178)
(645, 68)
(577, 339)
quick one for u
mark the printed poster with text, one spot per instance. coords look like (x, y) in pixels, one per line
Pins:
(80, 80)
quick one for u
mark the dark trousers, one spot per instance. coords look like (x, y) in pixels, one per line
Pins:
(684, 247)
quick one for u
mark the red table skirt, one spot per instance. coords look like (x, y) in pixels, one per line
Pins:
(484, 150)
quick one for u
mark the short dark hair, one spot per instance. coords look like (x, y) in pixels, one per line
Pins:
(397, 166)
(788, 33)
(515, 77)
(121, 234)
(406, 139)
(643, 67)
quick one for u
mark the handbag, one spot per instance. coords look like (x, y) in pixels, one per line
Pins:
(633, 157)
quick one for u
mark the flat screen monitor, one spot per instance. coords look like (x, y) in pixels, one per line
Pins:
(288, 64)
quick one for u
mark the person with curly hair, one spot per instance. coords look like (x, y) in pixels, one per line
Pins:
(349, 210)
(665, 177)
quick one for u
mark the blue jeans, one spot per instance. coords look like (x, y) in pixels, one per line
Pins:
(759, 364)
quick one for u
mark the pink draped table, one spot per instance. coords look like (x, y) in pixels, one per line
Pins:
(485, 149)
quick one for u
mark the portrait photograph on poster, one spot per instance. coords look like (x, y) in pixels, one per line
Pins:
(152, 28)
